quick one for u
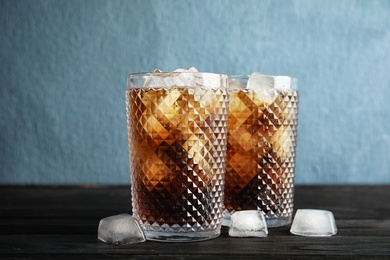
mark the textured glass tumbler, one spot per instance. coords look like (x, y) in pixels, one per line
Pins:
(177, 137)
(262, 134)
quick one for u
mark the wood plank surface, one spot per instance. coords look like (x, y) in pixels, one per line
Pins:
(61, 222)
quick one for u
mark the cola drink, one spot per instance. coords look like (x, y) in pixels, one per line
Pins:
(177, 147)
(262, 136)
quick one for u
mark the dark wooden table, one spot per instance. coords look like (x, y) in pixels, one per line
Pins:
(61, 222)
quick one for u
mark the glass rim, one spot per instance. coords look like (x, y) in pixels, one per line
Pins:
(263, 75)
(167, 73)
(293, 81)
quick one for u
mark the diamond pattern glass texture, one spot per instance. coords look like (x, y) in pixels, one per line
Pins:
(261, 154)
(177, 146)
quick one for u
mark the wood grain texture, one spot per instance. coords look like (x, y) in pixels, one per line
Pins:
(61, 221)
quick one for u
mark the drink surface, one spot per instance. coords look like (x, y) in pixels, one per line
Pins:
(177, 145)
(261, 152)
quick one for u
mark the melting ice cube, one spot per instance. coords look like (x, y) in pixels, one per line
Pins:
(313, 223)
(120, 229)
(248, 223)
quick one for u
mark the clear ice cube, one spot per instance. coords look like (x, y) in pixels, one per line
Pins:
(283, 82)
(261, 82)
(155, 80)
(208, 80)
(263, 85)
(185, 78)
(313, 223)
(179, 77)
(248, 223)
(236, 85)
(190, 69)
(120, 229)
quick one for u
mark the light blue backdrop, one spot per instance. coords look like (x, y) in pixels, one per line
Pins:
(64, 65)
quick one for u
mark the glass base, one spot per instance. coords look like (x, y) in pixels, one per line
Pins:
(271, 222)
(278, 222)
(181, 237)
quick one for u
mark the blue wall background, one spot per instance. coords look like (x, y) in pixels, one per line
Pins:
(63, 67)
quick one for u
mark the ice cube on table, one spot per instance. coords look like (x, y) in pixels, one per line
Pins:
(248, 223)
(120, 229)
(313, 223)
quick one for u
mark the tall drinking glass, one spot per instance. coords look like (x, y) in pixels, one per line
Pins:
(262, 137)
(177, 133)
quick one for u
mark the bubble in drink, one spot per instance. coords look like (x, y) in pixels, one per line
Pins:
(262, 133)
